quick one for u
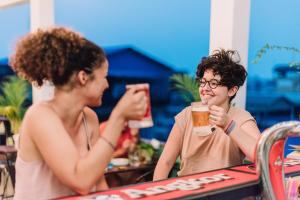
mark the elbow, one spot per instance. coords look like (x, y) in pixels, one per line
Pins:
(162, 170)
(251, 151)
(82, 189)
(251, 159)
(251, 155)
(82, 186)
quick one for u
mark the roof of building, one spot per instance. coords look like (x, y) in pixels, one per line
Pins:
(127, 61)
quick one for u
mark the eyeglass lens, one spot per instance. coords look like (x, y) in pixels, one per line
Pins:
(212, 83)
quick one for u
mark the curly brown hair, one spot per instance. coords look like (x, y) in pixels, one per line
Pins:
(55, 55)
(224, 63)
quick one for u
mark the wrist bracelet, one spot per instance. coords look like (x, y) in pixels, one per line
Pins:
(230, 127)
(108, 142)
(227, 126)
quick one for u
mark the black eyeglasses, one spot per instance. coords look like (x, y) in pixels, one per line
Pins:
(213, 83)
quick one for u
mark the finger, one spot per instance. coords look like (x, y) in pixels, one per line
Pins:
(130, 91)
(141, 93)
(138, 97)
(212, 122)
(213, 117)
(214, 112)
(217, 115)
(142, 86)
(215, 108)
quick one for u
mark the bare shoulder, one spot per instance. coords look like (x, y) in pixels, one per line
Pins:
(38, 117)
(240, 114)
(37, 121)
(39, 109)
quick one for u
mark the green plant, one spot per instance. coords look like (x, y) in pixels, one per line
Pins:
(145, 152)
(267, 47)
(148, 152)
(14, 91)
(187, 86)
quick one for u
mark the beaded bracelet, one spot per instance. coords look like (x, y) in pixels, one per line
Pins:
(108, 142)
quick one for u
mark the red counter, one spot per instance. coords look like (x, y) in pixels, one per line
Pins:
(230, 183)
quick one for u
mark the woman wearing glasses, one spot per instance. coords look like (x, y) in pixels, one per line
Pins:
(234, 133)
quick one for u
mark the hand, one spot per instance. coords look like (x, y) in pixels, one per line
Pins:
(132, 105)
(126, 144)
(218, 116)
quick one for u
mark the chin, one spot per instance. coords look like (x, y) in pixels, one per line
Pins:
(210, 102)
(99, 103)
(206, 99)
(96, 104)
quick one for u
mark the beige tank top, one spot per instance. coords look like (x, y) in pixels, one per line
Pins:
(35, 180)
(214, 151)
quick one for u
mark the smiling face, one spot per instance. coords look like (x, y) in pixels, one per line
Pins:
(96, 86)
(218, 96)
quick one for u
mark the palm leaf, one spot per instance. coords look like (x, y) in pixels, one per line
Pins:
(267, 47)
(187, 86)
(14, 92)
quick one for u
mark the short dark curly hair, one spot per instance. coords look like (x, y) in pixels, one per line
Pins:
(55, 55)
(224, 63)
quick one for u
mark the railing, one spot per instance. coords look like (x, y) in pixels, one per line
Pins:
(269, 158)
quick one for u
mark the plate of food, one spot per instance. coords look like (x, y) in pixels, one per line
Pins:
(119, 161)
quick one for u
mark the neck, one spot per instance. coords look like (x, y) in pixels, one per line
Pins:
(226, 106)
(68, 107)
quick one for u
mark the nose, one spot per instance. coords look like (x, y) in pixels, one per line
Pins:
(206, 87)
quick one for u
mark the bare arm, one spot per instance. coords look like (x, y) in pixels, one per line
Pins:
(246, 137)
(169, 155)
(101, 183)
(61, 155)
(58, 150)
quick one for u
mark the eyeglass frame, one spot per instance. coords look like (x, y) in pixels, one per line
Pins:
(202, 83)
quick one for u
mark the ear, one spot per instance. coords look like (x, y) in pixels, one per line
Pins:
(232, 91)
(82, 77)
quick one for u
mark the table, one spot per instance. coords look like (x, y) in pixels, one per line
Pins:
(126, 175)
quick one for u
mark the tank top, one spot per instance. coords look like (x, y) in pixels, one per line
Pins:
(35, 180)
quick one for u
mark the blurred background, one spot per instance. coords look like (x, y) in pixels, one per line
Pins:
(150, 40)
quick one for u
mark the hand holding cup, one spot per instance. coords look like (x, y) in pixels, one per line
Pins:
(146, 120)
(133, 104)
(219, 116)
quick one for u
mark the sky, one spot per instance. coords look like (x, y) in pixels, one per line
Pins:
(175, 32)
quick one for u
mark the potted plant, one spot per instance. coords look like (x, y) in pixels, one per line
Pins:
(14, 92)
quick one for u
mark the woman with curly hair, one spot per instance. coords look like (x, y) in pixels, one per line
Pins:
(234, 133)
(60, 151)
